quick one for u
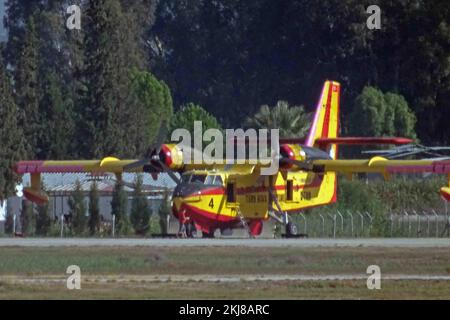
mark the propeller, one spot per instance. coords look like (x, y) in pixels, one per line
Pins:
(152, 158)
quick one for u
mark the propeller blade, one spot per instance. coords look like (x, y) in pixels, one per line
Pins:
(154, 149)
(157, 144)
(137, 164)
(171, 174)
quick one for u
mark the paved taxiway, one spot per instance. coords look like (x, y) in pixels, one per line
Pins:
(127, 279)
(269, 243)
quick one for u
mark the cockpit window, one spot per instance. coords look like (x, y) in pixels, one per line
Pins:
(209, 180)
(218, 181)
(185, 178)
(214, 180)
(199, 178)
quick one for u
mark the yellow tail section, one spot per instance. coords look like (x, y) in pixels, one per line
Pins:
(326, 125)
(326, 118)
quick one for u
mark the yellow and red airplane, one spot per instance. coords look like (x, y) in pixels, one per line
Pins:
(211, 197)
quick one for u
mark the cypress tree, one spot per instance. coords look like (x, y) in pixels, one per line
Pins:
(77, 208)
(106, 76)
(119, 204)
(43, 221)
(11, 136)
(56, 118)
(140, 211)
(26, 84)
(27, 218)
(94, 210)
(164, 212)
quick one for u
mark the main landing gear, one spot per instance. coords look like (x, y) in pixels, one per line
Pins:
(283, 217)
(189, 230)
(291, 230)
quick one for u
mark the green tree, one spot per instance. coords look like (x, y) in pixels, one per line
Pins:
(94, 210)
(108, 115)
(11, 136)
(9, 223)
(43, 221)
(140, 211)
(291, 121)
(77, 209)
(26, 84)
(56, 117)
(119, 205)
(150, 103)
(27, 218)
(164, 212)
(188, 114)
(378, 114)
(17, 13)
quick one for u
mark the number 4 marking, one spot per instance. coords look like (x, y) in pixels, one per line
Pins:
(211, 203)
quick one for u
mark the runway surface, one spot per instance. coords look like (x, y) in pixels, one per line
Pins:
(126, 279)
(269, 243)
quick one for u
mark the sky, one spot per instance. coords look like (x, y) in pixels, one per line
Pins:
(2, 28)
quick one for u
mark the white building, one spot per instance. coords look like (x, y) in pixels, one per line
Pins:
(60, 186)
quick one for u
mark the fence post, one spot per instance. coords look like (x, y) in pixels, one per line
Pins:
(362, 223)
(334, 224)
(436, 222)
(418, 223)
(370, 221)
(447, 220)
(428, 223)
(14, 225)
(113, 225)
(305, 228)
(62, 225)
(323, 224)
(391, 217)
(409, 222)
(342, 221)
(351, 222)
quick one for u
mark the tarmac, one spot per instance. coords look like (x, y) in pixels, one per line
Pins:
(222, 242)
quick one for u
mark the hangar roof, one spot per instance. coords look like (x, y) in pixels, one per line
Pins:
(64, 182)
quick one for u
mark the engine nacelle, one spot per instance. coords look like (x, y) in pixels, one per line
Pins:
(292, 152)
(300, 153)
(172, 156)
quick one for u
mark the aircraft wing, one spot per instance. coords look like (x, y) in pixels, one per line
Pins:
(386, 168)
(383, 166)
(108, 164)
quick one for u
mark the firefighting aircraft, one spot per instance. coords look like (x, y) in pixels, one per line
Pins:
(212, 197)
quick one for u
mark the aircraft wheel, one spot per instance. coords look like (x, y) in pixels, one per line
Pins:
(208, 235)
(291, 229)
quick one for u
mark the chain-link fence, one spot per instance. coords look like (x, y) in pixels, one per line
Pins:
(358, 224)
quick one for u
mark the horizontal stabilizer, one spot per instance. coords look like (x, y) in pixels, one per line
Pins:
(363, 141)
